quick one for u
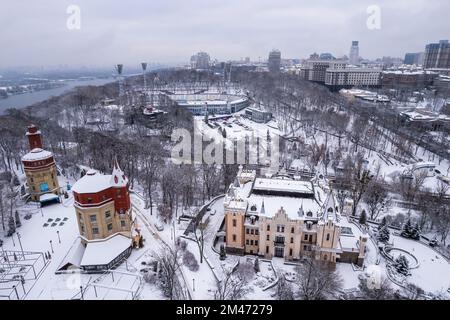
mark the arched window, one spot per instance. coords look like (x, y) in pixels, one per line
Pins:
(328, 237)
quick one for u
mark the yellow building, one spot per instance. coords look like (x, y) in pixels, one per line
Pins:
(288, 218)
(40, 169)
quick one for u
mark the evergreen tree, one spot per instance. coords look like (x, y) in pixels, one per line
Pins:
(256, 266)
(415, 232)
(383, 234)
(363, 217)
(401, 265)
(406, 231)
(223, 253)
(383, 223)
(11, 227)
(18, 222)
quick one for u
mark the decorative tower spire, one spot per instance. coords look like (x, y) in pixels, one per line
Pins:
(34, 137)
(118, 178)
(263, 210)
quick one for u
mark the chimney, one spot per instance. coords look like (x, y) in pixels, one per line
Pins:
(34, 137)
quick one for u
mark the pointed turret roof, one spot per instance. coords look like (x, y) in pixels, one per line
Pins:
(263, 210)
(118, 178)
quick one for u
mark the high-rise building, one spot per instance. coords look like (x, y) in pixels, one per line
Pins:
(40, 169)
(326, 56)
(274, 62)
(437, 55)
(413, 58)
(200, 60)
(354, 53)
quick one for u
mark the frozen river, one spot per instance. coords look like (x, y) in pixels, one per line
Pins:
(24, 100)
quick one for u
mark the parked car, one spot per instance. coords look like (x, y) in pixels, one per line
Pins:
(433, 243)
(213, 212)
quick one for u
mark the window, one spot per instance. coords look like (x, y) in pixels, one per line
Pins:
(280, 228)
(256, 242)
(107, 214)
(247, 242)
(268, 237)
(123, 223)
(267, 249)
(234, 222)
(44, 187)
(256, 232)
(82, 229)
(95, 230)
(251, 242)
(252, 231)
(328, 237)
(246, 231)
(292, 240)
(325, 257)
(310, 238)
(93, 218)
(110, 226)
(290, 252)
(292, 230)
(268, 227)
(304, 248)
(234, 237)
(306, 237)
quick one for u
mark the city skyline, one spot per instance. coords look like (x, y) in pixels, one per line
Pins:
(170, 33)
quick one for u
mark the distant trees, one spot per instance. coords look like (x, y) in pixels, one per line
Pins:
(284, 290)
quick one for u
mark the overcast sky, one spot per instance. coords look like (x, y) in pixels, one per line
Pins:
(170, 31)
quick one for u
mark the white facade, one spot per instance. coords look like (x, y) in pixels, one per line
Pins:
(353, 77)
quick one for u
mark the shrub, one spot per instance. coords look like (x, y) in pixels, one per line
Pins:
(190, 261)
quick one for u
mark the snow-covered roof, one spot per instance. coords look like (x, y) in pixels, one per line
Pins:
(291, 205)
(283, 185)
(37, 154)
(92, 182)
(47, 197)
(102, 252)
(73, 256)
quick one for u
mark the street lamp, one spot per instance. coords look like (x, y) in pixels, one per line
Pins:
(193, 284)
(20, 243)
(5, 255)
(51, 246)
(59, 239)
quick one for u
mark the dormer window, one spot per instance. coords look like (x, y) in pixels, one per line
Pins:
(309, 214)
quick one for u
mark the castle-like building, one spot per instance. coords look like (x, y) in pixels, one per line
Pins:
(40, 169)
(289, 218)
(102, 204)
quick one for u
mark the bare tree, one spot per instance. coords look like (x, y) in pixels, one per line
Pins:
(376, 198)
(317, 280)
(169, 265)
(381, 292)
(284, 289)
(199, 231)
(234, 286)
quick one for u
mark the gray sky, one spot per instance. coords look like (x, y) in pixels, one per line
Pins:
(170, 31)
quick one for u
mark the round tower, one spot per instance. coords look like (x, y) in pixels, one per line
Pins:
(40, 169)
